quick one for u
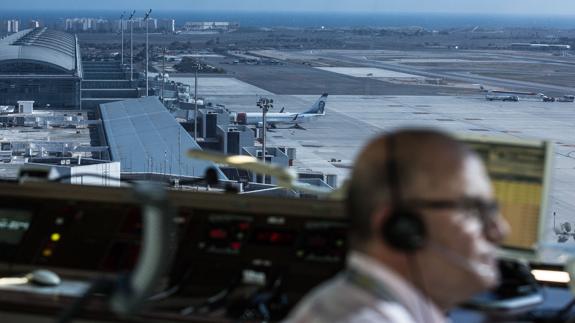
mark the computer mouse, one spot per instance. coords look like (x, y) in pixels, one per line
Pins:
(45, 278)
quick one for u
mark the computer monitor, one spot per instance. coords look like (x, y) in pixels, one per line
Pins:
(520, 171)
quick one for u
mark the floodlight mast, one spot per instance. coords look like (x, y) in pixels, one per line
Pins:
(163, 73)
(147, 46)
(265, 104)
(196, 102)
(122, 31)
(132, 45)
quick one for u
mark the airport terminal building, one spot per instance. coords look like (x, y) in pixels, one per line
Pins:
(41, 65)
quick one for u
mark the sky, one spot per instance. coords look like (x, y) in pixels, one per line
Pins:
(530, 7)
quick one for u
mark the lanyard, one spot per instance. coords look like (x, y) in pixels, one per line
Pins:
(369, 284)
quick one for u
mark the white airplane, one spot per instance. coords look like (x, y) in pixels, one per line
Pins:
(491, 91)
(283, 118)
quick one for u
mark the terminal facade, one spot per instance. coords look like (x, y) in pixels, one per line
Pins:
(42, 65)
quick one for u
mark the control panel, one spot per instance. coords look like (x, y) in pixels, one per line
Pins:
(273, 253)
(240, 248)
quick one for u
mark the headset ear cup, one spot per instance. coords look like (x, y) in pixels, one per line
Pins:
(404, 231)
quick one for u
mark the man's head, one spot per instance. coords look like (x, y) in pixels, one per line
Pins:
(442, 182)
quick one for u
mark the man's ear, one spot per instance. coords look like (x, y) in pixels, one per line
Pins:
(378, 218)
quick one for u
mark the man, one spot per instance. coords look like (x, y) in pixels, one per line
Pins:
(423, 226)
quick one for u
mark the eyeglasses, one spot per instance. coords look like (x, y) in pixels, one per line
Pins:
(485, 211)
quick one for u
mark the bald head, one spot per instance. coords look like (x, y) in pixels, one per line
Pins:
(397, 166)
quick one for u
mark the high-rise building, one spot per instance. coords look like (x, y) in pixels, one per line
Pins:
(34, 24)
(211, 26)
(167, 25)
(88, 25)
(10, 26)
(13, 26)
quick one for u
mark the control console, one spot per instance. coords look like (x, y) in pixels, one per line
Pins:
(236, 257)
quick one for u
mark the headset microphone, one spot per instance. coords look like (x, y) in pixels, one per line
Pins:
(485, 271)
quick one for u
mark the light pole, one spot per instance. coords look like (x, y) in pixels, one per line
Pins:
(146, 21)
(122, 30)
(265, 104)
(163, 73)
(196, 102)
(132, 45)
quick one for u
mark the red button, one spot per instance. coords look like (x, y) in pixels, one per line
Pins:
(218, 234)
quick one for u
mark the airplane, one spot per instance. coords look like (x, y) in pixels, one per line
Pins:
(490, 91)
(283, 118)
(491, 97)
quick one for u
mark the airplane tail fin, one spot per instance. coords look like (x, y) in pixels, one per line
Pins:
(319, 106)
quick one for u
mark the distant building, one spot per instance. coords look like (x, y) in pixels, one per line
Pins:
(82, 171)
(40, 65)
(139, 24)
(211, 26)
(87, 25)
(121, 24)
(10, 26)
(34, 24)
(167, 25)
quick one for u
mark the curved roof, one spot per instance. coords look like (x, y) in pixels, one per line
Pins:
(51, 47)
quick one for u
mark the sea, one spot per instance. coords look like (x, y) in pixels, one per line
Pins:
(433, 21)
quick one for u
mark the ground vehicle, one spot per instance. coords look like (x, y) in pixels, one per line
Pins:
(566, 98)
(491, 97)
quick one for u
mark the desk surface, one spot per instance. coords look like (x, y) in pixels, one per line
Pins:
(31, 307)
(554, 299)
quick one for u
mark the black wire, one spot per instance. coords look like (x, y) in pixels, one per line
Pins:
(102, 285)
(208, 304)
(170, 291)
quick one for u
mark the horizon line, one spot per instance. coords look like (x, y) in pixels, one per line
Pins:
(52, 10)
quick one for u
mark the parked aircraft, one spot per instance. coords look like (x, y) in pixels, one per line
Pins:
(274, 119)
(490, 91)
(493, 97)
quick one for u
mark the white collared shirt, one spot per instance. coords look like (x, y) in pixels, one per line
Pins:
(340, 300)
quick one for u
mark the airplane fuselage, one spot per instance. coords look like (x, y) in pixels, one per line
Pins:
(256, 118)
(283, 118)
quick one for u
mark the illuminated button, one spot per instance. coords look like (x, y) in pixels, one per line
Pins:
(300, 253)
(275, 237)
(218, 234)
(55, 237)
(339, 243)
(244, 226)
(235, 245)
(47, 252)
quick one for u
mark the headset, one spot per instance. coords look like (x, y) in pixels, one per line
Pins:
(404, 229)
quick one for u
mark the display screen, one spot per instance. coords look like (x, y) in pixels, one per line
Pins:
(518, 176)
(13, 226)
